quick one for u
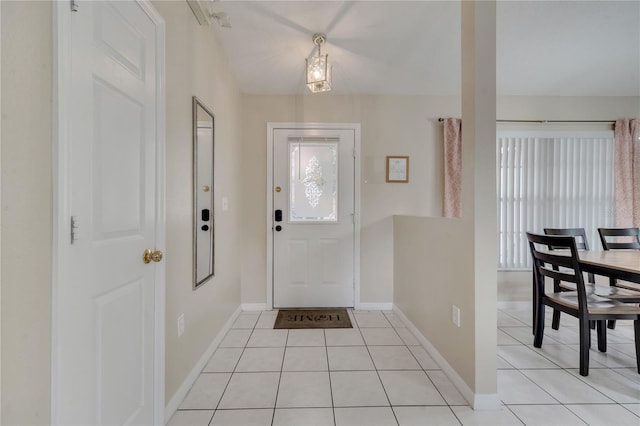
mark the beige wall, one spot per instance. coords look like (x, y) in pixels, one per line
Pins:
(26, 211)
(415, 293)
(391, 125)
(432, 273)
(479, 104)
(453, 260)
(196, 66)
(567, 108)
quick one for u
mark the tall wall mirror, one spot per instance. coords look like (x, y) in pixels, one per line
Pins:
(203, 184)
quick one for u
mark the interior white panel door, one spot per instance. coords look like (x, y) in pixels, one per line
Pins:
(313, 218)
(106, 299)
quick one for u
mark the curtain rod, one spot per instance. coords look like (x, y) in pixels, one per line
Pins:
(550, 121)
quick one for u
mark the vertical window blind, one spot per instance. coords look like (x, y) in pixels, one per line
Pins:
(551, 180)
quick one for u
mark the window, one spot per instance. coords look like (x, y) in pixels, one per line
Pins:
(551, 180)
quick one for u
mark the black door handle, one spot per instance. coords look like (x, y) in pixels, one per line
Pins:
(278, 228)
(278, 215)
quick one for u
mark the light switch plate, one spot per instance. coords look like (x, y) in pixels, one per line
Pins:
(455, 315)
(180, 325)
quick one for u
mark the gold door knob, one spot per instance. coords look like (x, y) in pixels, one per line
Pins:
(149, 255)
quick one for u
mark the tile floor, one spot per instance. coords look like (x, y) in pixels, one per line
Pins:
(378, 374)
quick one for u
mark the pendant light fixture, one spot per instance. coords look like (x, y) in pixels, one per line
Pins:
(318, 70)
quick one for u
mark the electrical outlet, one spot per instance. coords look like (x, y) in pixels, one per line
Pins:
(455, 315)
(180, 325)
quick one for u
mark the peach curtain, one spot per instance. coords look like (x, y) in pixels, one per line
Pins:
(627, 173)
(452, 167)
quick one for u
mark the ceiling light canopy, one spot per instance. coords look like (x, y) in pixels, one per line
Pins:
(318, 70)
(203, 11)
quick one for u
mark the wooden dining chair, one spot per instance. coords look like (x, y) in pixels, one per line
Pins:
(620, 239)
(582, 243)
(565, 266)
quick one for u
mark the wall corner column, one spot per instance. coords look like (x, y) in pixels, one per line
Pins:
(479, 185)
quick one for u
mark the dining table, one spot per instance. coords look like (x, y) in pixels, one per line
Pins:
(615, 264)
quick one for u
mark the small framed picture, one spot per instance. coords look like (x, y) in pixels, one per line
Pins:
(397, 169)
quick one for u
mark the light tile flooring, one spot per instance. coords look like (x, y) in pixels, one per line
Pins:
(378, 374)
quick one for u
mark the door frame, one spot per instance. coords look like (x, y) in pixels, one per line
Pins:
(271, 128)
(61, 184)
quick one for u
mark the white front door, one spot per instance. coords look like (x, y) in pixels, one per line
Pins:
(313, 218)
(106, 297)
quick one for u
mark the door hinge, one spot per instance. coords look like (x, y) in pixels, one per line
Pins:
(74, 227)
(74, 5)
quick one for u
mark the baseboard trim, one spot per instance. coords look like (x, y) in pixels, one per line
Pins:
(254, 307)
(484, 402)
(374, 306)
(184, 388)
(360, 306)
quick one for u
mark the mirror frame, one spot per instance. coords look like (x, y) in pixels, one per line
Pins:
(196, 103)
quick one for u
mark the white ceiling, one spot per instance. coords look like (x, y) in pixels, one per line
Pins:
(552, 48)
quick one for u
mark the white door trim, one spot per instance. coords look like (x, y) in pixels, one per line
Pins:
(0, 220)
(61, 211)
(271, 127)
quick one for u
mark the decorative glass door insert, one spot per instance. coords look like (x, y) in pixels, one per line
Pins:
(313, 181)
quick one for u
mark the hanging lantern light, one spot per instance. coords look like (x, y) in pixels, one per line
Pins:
(318, 69)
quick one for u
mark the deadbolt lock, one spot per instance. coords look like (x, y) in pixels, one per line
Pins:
(149, 255)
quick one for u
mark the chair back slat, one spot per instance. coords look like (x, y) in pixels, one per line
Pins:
(581, 243)
(630, 238)
(558, 275)
(580, 235)
(622, 246)
(555, 259)
(548, 264)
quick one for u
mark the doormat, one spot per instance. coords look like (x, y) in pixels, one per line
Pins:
(313, 318)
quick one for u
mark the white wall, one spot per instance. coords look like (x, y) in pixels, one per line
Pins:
(196, 66)
(26, 205)
(391, 125)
